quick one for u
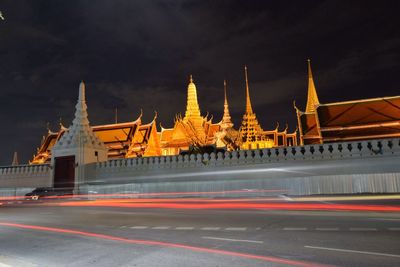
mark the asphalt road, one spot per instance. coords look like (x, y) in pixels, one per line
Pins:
(118, 236)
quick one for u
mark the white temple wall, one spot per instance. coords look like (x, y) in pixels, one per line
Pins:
(13, 179)
(352, 167)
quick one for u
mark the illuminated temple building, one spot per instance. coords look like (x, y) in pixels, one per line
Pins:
(123, 140)
(190, 134)
(347, 121)
(253, 136)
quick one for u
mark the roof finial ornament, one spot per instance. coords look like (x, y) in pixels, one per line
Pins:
(191, 78)
(49, 131)
(60, 123)
(62, 127)
(141, 114)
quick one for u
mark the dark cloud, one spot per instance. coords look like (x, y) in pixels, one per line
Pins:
(138, 54)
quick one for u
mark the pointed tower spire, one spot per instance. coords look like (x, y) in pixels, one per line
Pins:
(81, 144)
(15, 160)
(226, 118)
(251, 132)
(80, 134)
(225, 98)
(82, 92)
(312, 97)
(192, 106)
(249, 109)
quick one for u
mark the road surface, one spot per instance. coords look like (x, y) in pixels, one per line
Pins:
(70, 233)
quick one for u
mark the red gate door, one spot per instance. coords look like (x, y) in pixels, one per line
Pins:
(64, 172)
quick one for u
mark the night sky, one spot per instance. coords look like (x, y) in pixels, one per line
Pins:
(139, 54)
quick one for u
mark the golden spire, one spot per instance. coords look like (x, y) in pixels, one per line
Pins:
(249, 109)
(226, 118)
(225, 98)
(312, 97)
(250, 131)
(192, 106)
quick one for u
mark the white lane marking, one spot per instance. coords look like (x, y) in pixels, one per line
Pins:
(285, 197)
(394, 229)
(184, 228)
(210, 228)
(333, 198)
(123, 226)
(161, 227)
(294, 229)
(355, 251)
(327, 229)
(236, 229)
(384, 219)
(362, 229)
(138, 227)
(232, 240)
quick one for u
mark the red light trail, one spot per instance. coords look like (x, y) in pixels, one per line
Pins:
(163, 244)
(222, 204)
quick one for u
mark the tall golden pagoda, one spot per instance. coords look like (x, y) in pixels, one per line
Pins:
(251, 133)
(192, 115)
(193, 130)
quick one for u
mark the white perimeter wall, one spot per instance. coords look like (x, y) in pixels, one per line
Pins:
(21, 179)
(353, 167)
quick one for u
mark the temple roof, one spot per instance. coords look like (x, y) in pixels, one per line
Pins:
(115, 133)
(359, 112)
(352, 120)
(166, 134)
(117, 137)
